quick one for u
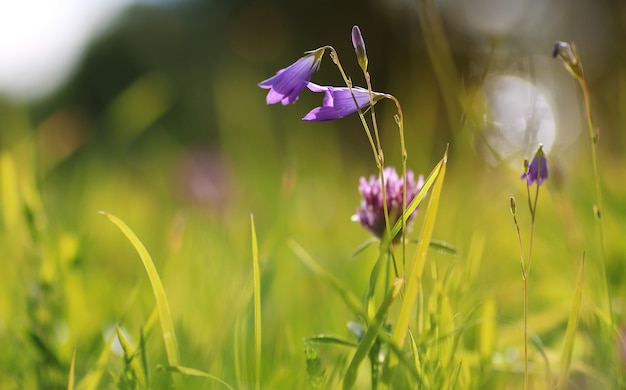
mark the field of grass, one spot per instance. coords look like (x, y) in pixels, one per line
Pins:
(134, 260)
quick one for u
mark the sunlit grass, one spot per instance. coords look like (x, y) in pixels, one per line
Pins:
(77, 310)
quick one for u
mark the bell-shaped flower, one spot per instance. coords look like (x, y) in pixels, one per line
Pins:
(339, 102)
(287, 84)
(537, 170)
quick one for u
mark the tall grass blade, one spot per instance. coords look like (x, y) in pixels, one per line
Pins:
(257, 306)
(412, 206)
(131, 356)
(167, 325)
(70, 382)
(415, 273)
(372, 332)
(92, 379)
(572, 325)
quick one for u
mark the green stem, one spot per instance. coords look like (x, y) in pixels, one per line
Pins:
(599, 208)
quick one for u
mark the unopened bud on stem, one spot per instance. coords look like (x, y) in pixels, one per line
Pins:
(359, 47)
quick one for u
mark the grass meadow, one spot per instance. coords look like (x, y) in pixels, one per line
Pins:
(133, 259)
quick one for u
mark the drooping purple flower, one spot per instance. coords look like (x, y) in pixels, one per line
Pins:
(338, 102)
(537, 170)
(287, 84)
(370, 214)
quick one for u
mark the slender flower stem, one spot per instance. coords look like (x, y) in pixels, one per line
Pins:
(525, 279)
(599, 208)
(377, 156)
(525, 264)
(400, 122)
(376, 149)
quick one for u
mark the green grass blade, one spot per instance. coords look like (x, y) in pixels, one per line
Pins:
(144, 356)
(197, 373)
(330, 339)
(9, 193)
(372, 332)
(131, 357)
(352, 301)
(369, 242)
(572, 324)
(70, 382)
(167, 325)
(415, 273)
(92, 379)
(441, 247)
(257, 306)
(412, 206)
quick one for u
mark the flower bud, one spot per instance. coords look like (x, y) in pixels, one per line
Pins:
(359, 47)
(569, 55)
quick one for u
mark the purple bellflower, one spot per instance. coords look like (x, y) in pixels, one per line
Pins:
(287, 84)
(537, 171)
(338, 102)
(370, 214)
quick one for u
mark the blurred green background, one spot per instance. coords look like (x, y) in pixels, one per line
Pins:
(160, 121)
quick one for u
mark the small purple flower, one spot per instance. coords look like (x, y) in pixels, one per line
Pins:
(338, 102)
(537, 171)
(287, 84)
(370, 214)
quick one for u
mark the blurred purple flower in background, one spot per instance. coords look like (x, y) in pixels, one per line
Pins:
(370, 214)
(338, 102)
(287, 84)
(538, 169)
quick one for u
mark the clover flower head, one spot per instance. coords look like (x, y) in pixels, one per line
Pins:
(338, 102)
(370, 213)
(287, 84)
(537, 170)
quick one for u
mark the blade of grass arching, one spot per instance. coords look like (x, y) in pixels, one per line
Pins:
(70, 382)
(197, 373)
(257, 306)
(413, 283)
(441, 247)
(372, 332)
(572, 325)
(167, 325)
(352, 301)
(92, 379)
(363, 246)
(330, 339)
(130, 354)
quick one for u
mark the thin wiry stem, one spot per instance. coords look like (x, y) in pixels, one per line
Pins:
(376, 148)
(400, 122)
(525, 279)
(596, 177)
